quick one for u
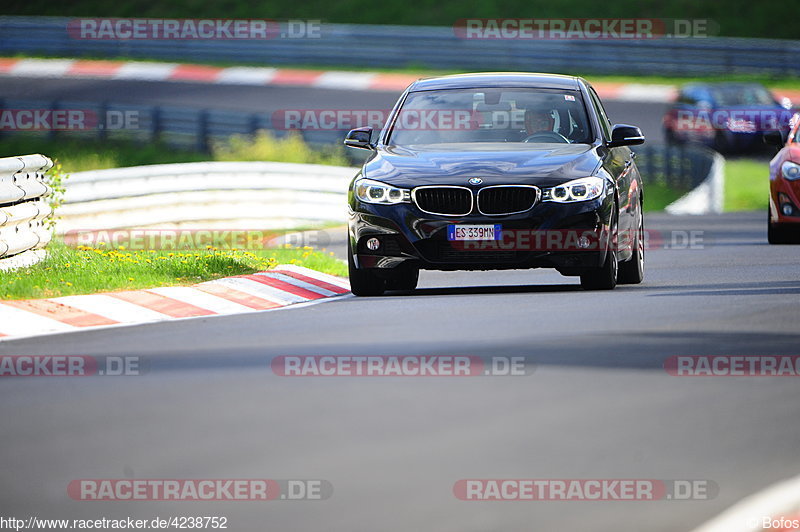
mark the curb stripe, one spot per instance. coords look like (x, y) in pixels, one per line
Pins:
(237, 296)
(7, 65)
(246, 75)
(42, 68)
(260, 76)
(15, 322)
(261, 290)
(145, 71)
(344, 80)
(60, 312)
(162, 304)
(195, 73)
(269, 290)
(332, 279)
(112, 308)
(318, 282)
(311, 287)
(203, 300)
(102, 69)
(283, 286)
(295, 77)
(392, 82)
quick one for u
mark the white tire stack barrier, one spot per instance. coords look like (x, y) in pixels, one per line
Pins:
(23, 209)
(706, 198)
(206, 195)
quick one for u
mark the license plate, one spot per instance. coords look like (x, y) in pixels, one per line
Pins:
(474, 232)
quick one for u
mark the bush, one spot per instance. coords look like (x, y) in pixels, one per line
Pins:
(266, 147)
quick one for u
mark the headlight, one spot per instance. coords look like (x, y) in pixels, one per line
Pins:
(790, 170)
(370, 191)
(583, 189)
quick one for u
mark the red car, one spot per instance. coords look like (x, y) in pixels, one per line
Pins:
(784, 186)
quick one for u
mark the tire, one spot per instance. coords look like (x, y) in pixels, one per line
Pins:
(632, 271)
(363, 282)
(406, 278)
(604, 277)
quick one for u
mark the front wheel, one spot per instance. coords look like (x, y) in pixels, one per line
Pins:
(780, 234)
(604, 277)
(363, 282)
(632, 271)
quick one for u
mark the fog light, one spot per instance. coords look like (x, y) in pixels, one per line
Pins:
(787, 209)
(583, 242)
(373, 244)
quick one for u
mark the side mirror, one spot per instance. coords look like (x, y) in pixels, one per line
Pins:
(774, 137)
(625, 135)
(359, 138)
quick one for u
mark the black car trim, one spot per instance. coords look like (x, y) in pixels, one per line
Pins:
(471, 199)
(535, 201)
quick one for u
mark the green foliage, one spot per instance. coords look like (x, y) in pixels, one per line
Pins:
(55, 178)
(266, 147)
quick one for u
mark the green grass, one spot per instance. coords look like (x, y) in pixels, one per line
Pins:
(746, 185)
(71, 270)
(742, 18)
(657, 196)
(78, 155)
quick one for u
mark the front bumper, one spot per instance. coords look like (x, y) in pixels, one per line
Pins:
(783, 192)
(410, 237)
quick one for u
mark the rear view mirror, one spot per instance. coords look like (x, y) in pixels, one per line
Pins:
(625, 135)
(774, 137)
(359, 138)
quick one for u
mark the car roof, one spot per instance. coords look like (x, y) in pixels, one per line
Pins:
(497, 79)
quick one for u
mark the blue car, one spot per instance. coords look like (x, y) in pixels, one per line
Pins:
(728, 117)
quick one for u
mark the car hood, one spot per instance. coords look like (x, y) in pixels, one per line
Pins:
(494, 163)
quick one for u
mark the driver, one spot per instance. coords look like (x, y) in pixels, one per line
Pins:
(538, 121)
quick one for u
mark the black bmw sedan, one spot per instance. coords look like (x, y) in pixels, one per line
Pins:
(494, 171)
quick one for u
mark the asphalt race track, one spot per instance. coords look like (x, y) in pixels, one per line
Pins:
(266, 99)
(598, 405)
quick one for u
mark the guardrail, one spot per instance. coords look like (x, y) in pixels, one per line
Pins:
(185, 127)
(208, 195)
(706, 197)
(435, 47)
(681, 167)
(23, 209)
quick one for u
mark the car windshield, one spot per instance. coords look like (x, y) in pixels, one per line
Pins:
(491, 115)
(743, 95)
